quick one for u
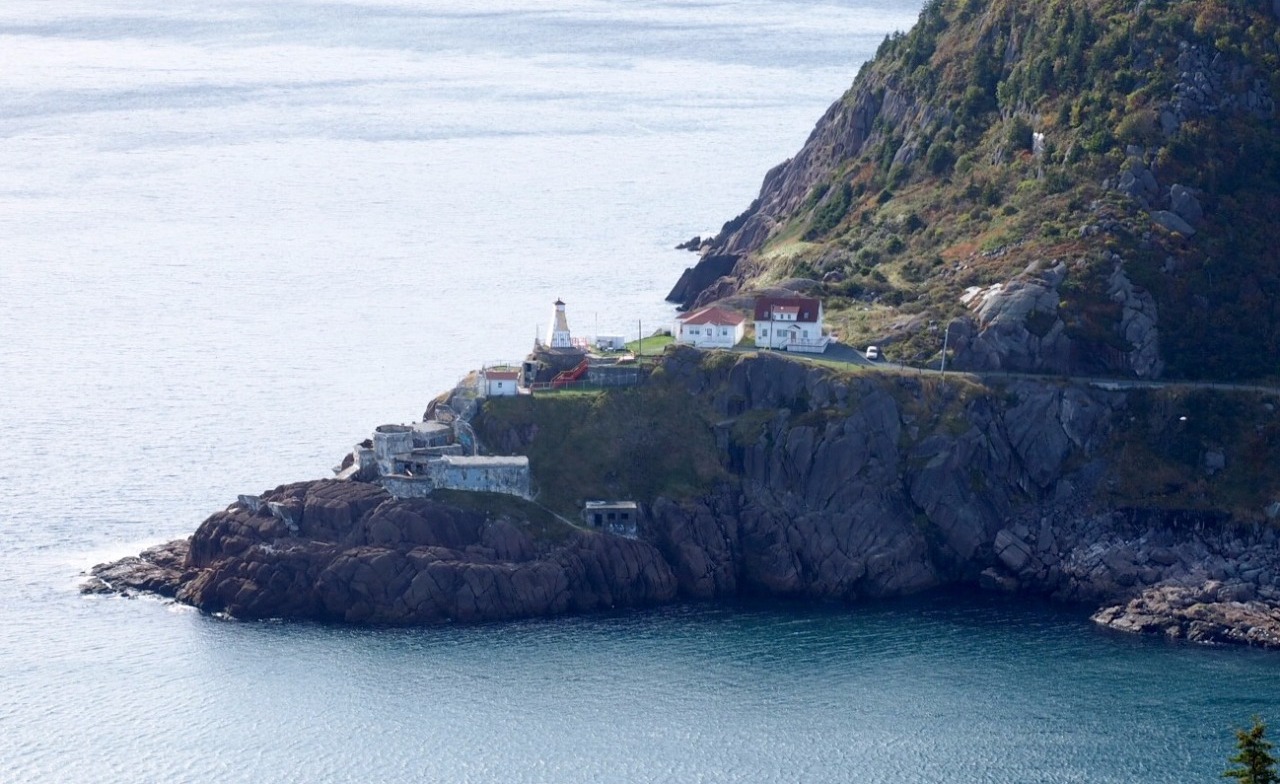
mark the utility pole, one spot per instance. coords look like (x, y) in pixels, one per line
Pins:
(946, 334)
(640, 334)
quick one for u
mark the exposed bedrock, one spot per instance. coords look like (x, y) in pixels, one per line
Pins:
(697, 279)
(834, 487)
(1213, 612)
(878, 487)
(347, 551)
(1017, 326)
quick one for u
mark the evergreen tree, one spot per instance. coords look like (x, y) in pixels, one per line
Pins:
(1254, 760)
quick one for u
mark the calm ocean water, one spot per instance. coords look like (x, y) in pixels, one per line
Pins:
(234, 236)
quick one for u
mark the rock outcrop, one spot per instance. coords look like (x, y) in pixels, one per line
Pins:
(697, 279)
(348, 551)
(1015, 325)
(852, 487)
(834, 486)
(1210, 613)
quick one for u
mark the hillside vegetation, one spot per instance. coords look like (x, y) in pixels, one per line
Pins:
(1115, 162)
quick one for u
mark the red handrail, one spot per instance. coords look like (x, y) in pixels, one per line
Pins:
(566, 377)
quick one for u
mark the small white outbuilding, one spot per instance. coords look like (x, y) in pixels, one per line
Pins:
(500, 382)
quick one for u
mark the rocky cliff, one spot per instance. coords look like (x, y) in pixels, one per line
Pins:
(768, 475)
(1079, 188)
(348, 551)
(846, 486)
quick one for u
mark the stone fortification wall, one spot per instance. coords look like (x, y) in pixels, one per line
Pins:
(431, 434)
(389, 441)
(614, 375)
(408, 486)
(508, 475)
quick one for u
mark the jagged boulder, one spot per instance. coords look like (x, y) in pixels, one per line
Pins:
(1183, 202)
(1014, 325)
(1172, 221)
(1138, 325)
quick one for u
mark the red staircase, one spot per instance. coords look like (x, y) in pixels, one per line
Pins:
(566, 377)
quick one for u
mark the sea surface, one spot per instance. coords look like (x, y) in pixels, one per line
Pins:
(235, 236)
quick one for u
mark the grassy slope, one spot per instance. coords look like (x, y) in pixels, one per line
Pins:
(624, 443)
(974, 206)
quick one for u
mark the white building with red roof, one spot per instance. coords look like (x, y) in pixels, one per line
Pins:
(500, 381)
(710, 327)
(791, 324)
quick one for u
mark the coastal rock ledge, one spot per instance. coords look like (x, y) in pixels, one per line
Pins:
(1211, 613)
(350, 552)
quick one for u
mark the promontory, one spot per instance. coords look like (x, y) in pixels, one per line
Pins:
(1054, 223)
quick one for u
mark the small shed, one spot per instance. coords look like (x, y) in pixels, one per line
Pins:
(501, 382)
(616, 517)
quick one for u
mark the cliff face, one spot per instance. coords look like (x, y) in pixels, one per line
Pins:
(348, 551)
(867, 485)
(1079, 187)
(873, 486)
(767, 475)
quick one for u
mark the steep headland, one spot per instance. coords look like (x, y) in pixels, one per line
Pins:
(1058, 189)
(760, 474)
(1070, 187)
(348, 551)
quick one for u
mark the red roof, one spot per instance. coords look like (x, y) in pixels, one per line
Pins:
(713, 314)
(805, 308)
(502, 375)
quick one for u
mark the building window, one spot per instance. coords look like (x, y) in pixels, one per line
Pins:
(764, 333)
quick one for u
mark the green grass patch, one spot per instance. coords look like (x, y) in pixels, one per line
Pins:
(633, 443)
(651, 346)
(538, 523)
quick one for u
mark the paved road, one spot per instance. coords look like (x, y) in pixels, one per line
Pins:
(839, 352)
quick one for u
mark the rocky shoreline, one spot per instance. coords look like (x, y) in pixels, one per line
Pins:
(349, 552)
(833, 487)
(451, 565)
(1211, 613)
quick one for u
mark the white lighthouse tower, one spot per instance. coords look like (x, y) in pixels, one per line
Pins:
(559, 335)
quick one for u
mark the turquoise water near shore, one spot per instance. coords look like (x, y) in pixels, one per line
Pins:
(238, 235)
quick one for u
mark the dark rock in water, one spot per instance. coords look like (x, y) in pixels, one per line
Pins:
(158, 570)
(697, 278)
(992, 579)
(693, 243)
(356, 554)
